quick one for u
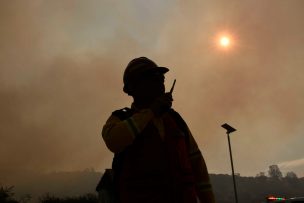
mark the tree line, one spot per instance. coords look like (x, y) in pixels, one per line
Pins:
(256, 189)
(250, 189)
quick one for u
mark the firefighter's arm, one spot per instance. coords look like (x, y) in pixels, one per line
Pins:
(203, 184)
(118, 134)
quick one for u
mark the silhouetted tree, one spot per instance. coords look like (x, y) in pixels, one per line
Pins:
(47, 198)
(6, 195)
(25, 198)
(261, 176)
(274, 172)
(291, 175)
(88, 198)
(292, 179)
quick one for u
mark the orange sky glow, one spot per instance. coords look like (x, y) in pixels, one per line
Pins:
(62, 64)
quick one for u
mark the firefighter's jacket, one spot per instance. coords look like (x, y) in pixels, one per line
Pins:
(160, 163)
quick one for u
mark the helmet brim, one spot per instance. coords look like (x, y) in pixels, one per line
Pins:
(162, 70)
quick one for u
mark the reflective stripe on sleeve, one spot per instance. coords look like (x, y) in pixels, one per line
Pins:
(204, 186)
(132, 126)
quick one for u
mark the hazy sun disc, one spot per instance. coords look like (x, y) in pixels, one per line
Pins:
(224, 41)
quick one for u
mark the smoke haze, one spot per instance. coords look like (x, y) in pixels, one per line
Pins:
(61, 77)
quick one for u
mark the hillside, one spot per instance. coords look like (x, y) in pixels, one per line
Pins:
(69, 184)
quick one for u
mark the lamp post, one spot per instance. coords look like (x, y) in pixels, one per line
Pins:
(230, 130)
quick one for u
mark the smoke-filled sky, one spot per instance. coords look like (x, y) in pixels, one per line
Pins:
(61, 77)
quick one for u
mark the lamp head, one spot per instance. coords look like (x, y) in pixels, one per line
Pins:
(228, 128)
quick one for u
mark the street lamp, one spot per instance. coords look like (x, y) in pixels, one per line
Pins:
(230, 130)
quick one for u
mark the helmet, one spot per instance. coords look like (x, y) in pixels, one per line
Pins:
(137, 67)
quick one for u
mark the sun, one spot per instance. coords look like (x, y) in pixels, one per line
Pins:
(224, 41)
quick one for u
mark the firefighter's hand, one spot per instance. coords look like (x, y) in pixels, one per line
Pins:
(162, 104)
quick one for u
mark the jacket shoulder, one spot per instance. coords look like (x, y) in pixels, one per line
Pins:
(177, 116)
(123, 113)
(179, 120)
